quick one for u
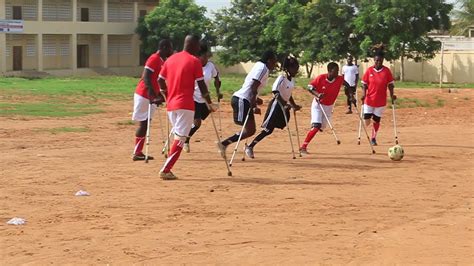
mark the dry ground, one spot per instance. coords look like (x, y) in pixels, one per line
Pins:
(340, 205)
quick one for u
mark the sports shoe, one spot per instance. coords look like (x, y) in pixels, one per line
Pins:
(186, 148)
(221, 148)
(249, 151)
(141, 157)
(167, 176)
(374, 142)
(304, 151)
(349, 111)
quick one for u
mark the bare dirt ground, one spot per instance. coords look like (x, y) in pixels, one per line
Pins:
(339, 205)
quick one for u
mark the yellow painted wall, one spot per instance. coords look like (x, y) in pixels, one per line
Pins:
(29, 52)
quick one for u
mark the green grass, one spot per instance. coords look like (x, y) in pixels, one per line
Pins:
(58, 130)
(410, 103)
(126, 123)
(47, 109)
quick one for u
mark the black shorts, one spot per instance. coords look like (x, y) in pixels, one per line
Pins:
(349, 90)
(274, 117)
(201, 111)
(241, 108)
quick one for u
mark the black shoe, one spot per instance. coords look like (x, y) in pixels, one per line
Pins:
(349, 111)
(141, 157)
(374, 142)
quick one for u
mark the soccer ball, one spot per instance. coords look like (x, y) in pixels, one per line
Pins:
(396, 153)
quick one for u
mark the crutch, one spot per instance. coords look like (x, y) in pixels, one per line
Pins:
(243, 154)
(297, 133)
(365, 129)
(148, 133)
(219, 116)
(360, 122)
(165, 146)
(394, 122)
(229, 172)
(161, 124)
(329, 122)
(240, 136)
(287, 126)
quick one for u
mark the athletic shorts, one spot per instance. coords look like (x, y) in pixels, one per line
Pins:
(201, 111)
(349, 90)
(182, 121)
(378, 111)
(317, 116)
(140, 108)
(241, 108)
(274, 117)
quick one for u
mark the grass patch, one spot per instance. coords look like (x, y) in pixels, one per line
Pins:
(47, 109)
(410, 103)
(58, 130)
(126, 123)
(440, 102)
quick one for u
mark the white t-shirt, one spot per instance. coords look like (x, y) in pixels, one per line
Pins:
(259, 72)
(210, 72)
(350, 73)
(284, 87)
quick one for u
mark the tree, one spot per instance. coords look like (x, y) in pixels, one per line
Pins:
(324, 29)
(403, 26)
(463, 18)
(172, 19)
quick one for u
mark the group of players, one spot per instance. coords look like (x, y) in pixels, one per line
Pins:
(182, 80)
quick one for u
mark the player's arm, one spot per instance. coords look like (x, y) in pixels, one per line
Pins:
(205, 94)
(163, 87)
(149, 86)
(313, 92)
(391, 88)
(294, 105)
(357, 79)
(255, 100)
(217, 85)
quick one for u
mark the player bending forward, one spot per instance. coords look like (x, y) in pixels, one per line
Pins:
(325, 88)
(274, 117)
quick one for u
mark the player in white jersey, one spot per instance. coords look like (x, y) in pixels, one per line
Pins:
(201, 110)
(244, 101)
(281, 102)
(351, 77)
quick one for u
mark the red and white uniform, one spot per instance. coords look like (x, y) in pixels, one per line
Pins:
(141, 100)
(331, 89)
(377, 82)
(181, 71)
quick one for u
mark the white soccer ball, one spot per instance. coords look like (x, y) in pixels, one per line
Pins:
(396, 153)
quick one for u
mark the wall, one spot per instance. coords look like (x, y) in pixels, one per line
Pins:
(29, 52)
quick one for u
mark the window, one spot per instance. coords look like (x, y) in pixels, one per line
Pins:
(84, 14)
(17, 12)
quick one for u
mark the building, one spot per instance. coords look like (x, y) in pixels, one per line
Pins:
(71, 37)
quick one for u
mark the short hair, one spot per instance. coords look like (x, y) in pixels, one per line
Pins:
(204, 48)
(332, 66)
(165, 43)
(267, 55)
(379, 50)
(379, 53)
(289, 61)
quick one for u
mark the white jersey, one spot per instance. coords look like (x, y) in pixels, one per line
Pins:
(350, 73)
(210, 72)
(259, 72)
(284, 87)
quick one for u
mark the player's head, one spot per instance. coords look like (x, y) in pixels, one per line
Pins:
(291, 66)
(204, 52)
(165, 47)
(350, 59)
(333, 70)
(269, 58)
(191, 44)
(379, 55)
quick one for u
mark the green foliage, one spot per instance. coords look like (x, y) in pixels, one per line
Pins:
(58, 130)
(463, 18)
(172, 19)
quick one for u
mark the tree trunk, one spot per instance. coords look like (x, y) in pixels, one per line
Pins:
(309, 69)
(402, 64)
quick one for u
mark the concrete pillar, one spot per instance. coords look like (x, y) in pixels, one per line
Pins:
(106, 10)
(3, 48)
(74, 10)
(40, 10)
(135, 11)
(136, 50)
(39, 49)
(104, 51)
(74, 52)
(2, 9)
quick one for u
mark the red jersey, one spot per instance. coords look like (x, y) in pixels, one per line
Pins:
(181, 71)
(153, 63)
(329, 88)
(377, 82)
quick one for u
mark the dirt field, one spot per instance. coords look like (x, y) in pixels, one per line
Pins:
(339, 205)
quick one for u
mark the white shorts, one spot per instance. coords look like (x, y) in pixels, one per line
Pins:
(378, 111)
(182, 120)
(317, 114)
(140, 108)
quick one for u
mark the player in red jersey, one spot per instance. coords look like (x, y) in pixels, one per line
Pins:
(147, 92)
(326, 87)
(177, 79)
(375, 82)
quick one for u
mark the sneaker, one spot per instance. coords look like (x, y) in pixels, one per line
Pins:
(374, 142)
(167, 176)
(304, 151)
(249, 151)
(141, 157)
(221, 148)
(349, 111)
(186, 148)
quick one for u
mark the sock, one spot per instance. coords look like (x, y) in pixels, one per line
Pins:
(193, 130)
(231, 139)
(258, 138)
(309, 137)
(173, 155)
(375, 129)
(139, 142)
